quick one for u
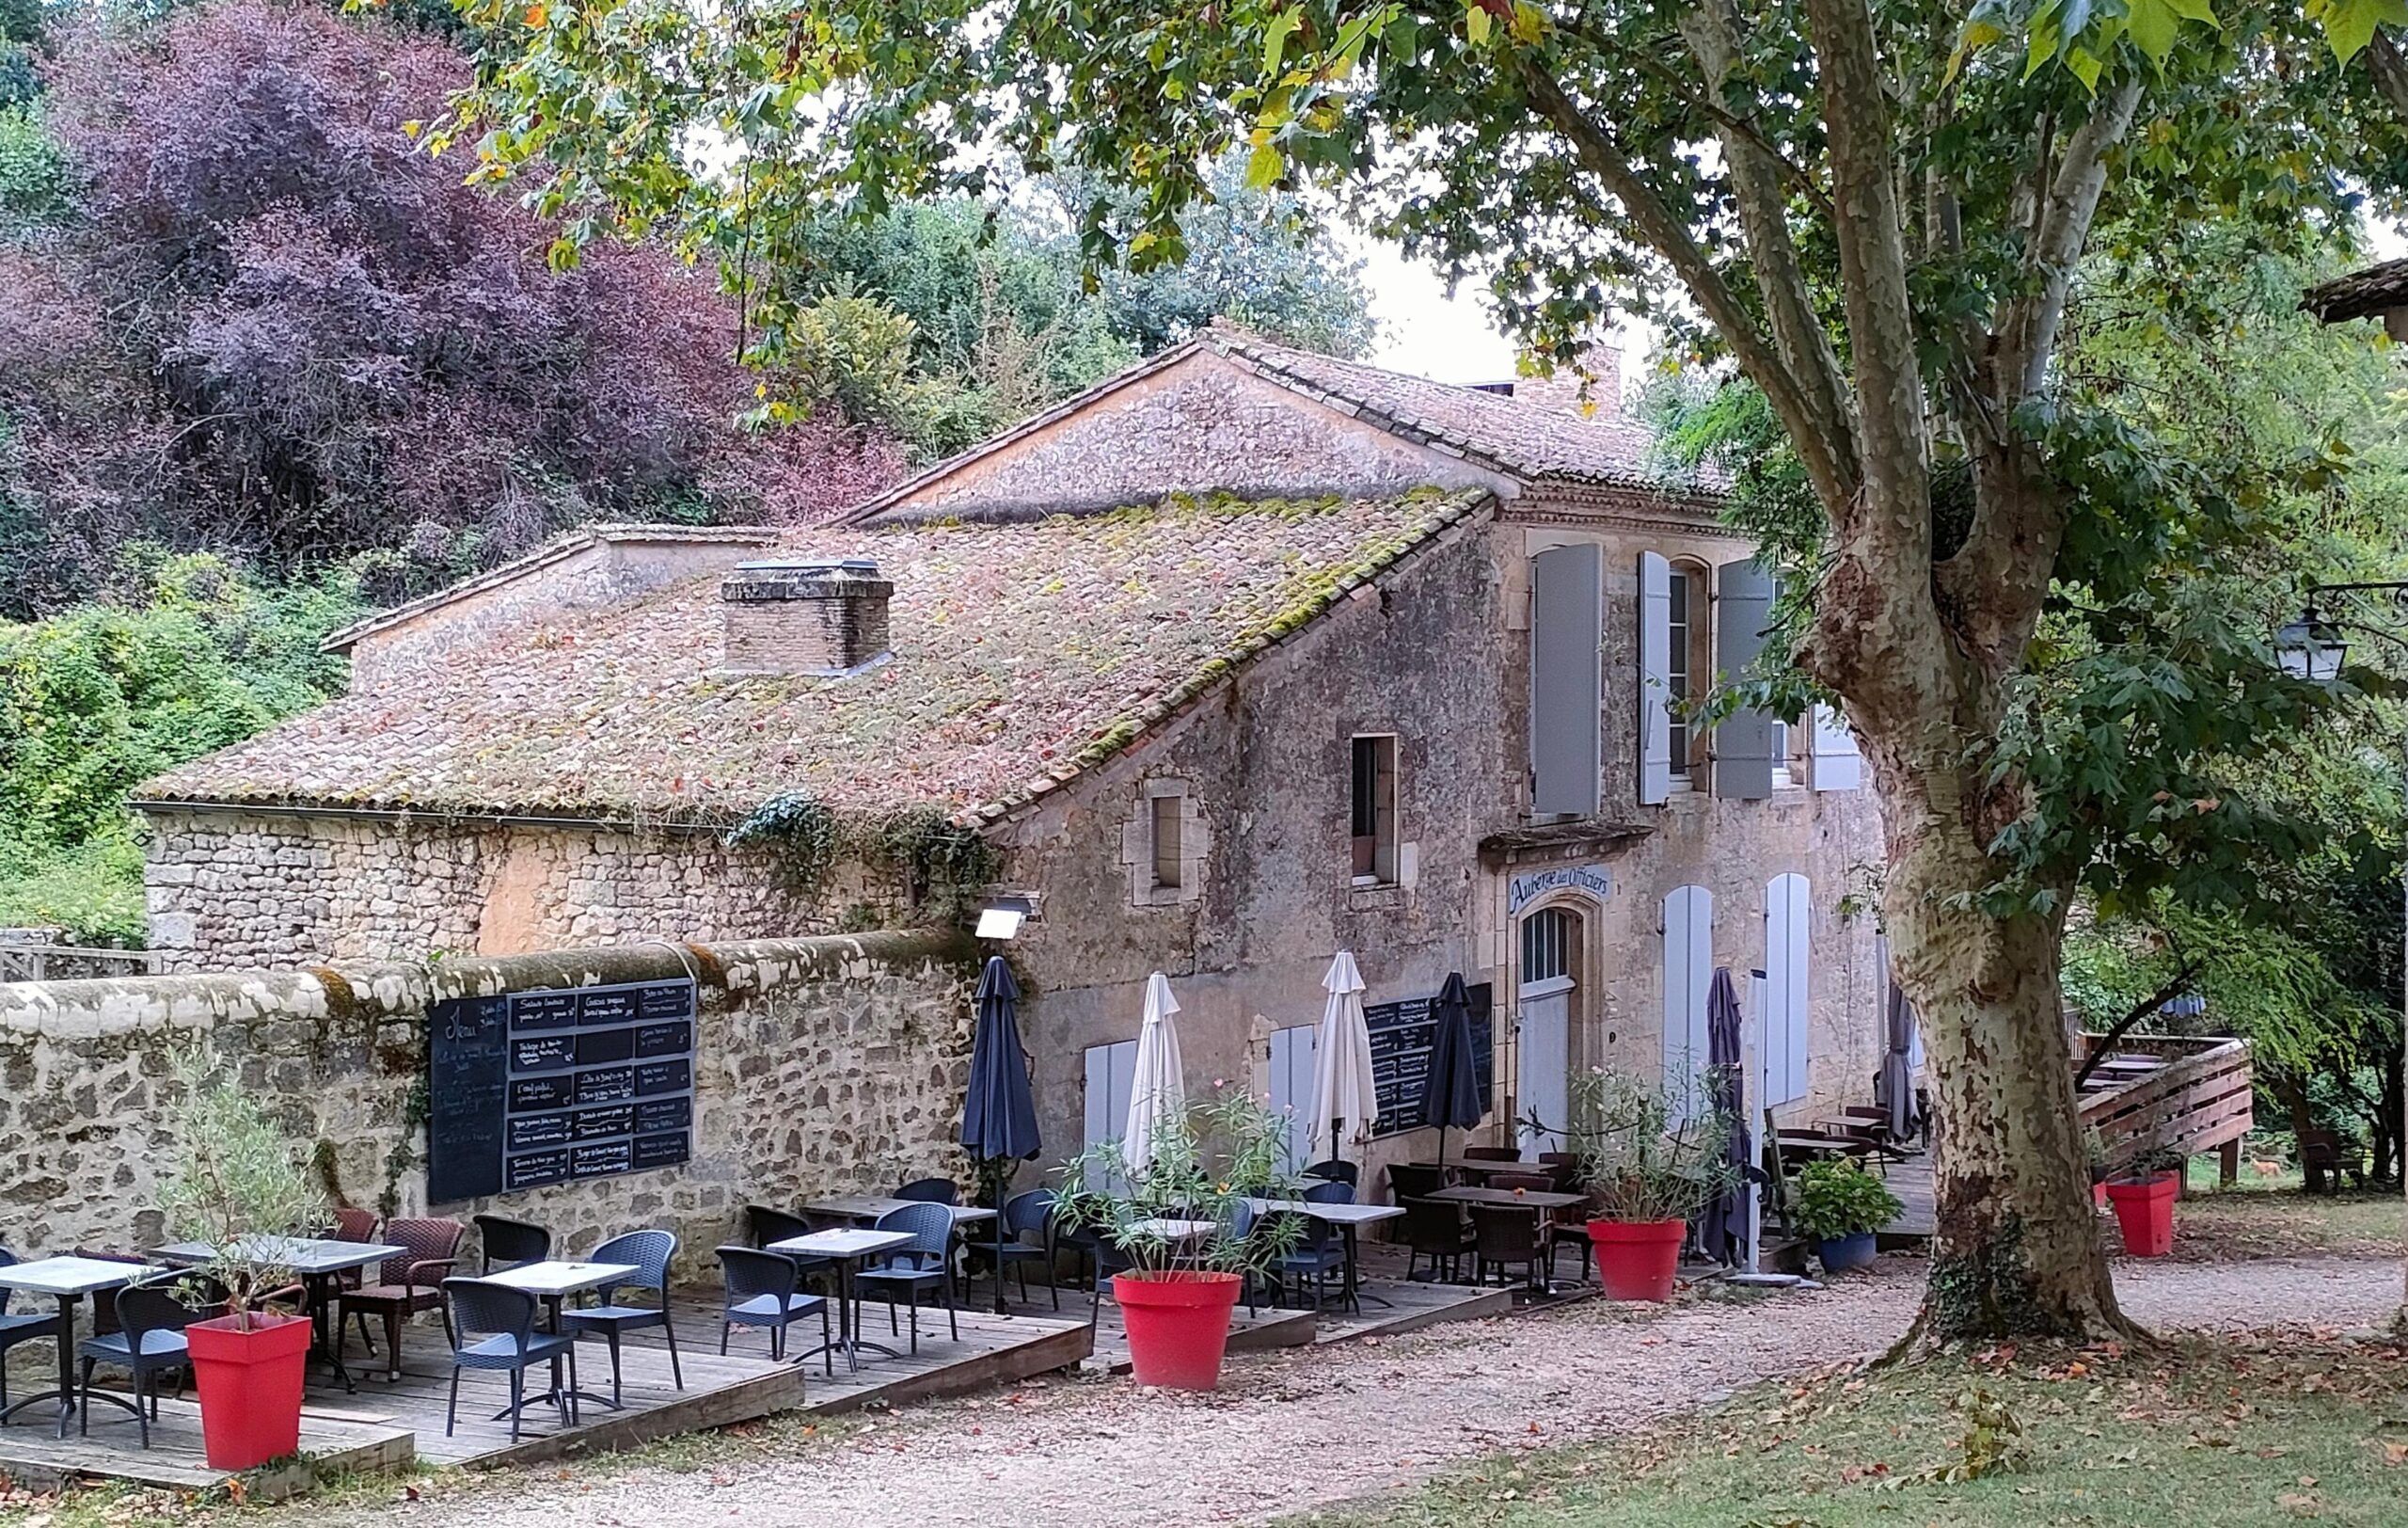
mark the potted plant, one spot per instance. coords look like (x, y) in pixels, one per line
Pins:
(1843, 1206)
(2094, 1154)
(241, 1186)
(1648, 1167)
(1207, 1162)
(2143, 1196)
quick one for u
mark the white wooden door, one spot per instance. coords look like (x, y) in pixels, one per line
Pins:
(1543, 1043)
(1292, 1054)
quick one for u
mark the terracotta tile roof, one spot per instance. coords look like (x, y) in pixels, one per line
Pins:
(2361, 293)
(1023, 653)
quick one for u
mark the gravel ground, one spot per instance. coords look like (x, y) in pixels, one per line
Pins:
(1310, 1428)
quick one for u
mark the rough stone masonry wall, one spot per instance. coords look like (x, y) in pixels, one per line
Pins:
(231, 889)
(822, 1065)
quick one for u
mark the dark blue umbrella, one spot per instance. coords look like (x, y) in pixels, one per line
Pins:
(1451, 1092)
(999, 1122)
(1723, 1227)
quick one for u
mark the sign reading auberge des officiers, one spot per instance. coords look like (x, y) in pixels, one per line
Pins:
(541, 1087)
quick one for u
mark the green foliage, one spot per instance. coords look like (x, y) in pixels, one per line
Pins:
(1643, 1155)
(1206, 1160)
(799, 829)
(33, 172)
(239, 1183)
(1836, 1199)
(944, 864)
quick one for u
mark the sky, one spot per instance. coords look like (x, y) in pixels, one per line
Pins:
(1425, 332)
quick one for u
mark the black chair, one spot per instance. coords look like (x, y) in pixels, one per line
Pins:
(760, 1293)
(1492, 1153)
(925, 1262)
(1317, 1253)
(1336, 1170)
(1407, 1181)
(1102, 1256)
(510, 1243)
(1505, 1236)
(651, 1251)
(1439, 1231)
(149, 1340)
(493, 1329)
(21, 1327)
(931, 1191)
(1025, 1212)
(765, 1225)
(1333, 1191)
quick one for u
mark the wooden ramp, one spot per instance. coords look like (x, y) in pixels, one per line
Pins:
(30, 1455)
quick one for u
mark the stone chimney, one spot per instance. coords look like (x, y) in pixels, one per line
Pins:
(1562, 391)
(821, 618)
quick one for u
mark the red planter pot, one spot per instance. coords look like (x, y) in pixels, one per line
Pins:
(2146, 1211)
(250, 1387)
(2098, 1195)
(1637, 1260)
(1178, 1325)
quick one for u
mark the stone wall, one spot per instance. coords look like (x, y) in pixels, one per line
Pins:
(832, 1064)
(233, 889)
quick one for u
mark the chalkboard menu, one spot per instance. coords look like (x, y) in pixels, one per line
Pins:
(1402, 1035)
(544, 1086)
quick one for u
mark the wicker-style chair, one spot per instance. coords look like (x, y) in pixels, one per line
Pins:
(408, 1283)
(1492, 1153)
(1507, 1237)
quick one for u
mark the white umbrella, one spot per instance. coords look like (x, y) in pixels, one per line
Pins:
(1345, 1095)
(1157, 1090)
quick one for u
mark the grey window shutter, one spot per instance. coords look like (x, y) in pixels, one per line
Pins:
(1837, 765)
(1743, 740)
(1655, 678)
(1787, 975)
(1689, 971)
(1567, 599)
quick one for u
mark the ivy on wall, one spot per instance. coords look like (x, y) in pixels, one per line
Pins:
(943, 865)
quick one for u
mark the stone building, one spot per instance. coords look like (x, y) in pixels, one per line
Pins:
(1239, 659)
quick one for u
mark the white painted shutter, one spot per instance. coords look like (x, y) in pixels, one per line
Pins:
(1293, 1051)
(1743, 740)
(1688, 974)
(1111, 1071)
(1786, 988)
(1567, 600)
(1837, 764)
(1654, 679)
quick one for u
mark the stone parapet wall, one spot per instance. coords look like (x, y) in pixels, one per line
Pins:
(822, 1065)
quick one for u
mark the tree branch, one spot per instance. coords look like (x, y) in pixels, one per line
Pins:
(2390, 70)
(1832, 471)
(2138, 1012)
(2028, 338)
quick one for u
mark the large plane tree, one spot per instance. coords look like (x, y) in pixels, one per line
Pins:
(1877, 209)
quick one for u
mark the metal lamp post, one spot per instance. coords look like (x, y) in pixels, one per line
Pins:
(2313, 648)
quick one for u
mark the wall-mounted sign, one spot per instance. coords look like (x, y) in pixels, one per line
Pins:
(544, 1086)
(1402, 1035)
(1523, 890)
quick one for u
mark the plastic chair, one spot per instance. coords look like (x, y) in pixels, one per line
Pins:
(931, 1191)
(510, 1243)
(765, 1225)
(759, 1292)
(408, 1283)
(492, 1328)
(651, 1251)
(1329, 1193)
(21, 1327)
(926, 1262)
(149, 1340)
(1100, 1255)
(1492, 1153)
(1337, 1169)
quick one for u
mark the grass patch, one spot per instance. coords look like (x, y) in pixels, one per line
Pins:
(2280, 1428)
(2276, 1218)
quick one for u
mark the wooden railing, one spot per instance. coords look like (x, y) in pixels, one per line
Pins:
(69, 962)
(2198, 1101)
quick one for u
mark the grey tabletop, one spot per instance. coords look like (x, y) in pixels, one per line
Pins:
(71, 1275)
(870, 1206)
(554, 1276)
(1337, 1215)
(1482, 1166)
(1166, 1227)
(302, 1254)
(1530, 1198)
(843, 1244)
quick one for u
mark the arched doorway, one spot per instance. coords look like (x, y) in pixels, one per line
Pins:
(1545, 999)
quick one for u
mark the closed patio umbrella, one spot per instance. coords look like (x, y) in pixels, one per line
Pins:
(1156, 1090)
(1345, 1095)
(1450, 1090)
(1723, 1228)
(999, 1121)
(1893, 1087)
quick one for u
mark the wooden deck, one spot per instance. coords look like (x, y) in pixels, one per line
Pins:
(384, 1424)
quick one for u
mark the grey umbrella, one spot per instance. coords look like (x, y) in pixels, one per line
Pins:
(1893, 1087)
(1723, 1228)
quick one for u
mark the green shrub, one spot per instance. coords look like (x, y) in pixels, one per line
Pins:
(33, 172)
(1838, 1199)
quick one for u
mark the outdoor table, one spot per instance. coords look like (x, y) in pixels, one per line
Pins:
(1483, 1167)
(1528, 1199)
(1169, 1229)
(1347, 1219)
(1790, 1143)
(553, 1282)
(319, 1265)
(870, 1206)
(68, 1280)
(846, 1249)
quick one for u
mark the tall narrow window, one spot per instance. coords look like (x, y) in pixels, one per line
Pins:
(1168, 810)
(1676, 673)
(1372, 815)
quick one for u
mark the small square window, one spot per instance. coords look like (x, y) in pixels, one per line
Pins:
(1168, 813)
(1373, 812)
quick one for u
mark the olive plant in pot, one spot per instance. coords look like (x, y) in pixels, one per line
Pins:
(1653, 1155)
(240, 1185)
(1842, 1207)
(2143, 1196)
(1183, 1227)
